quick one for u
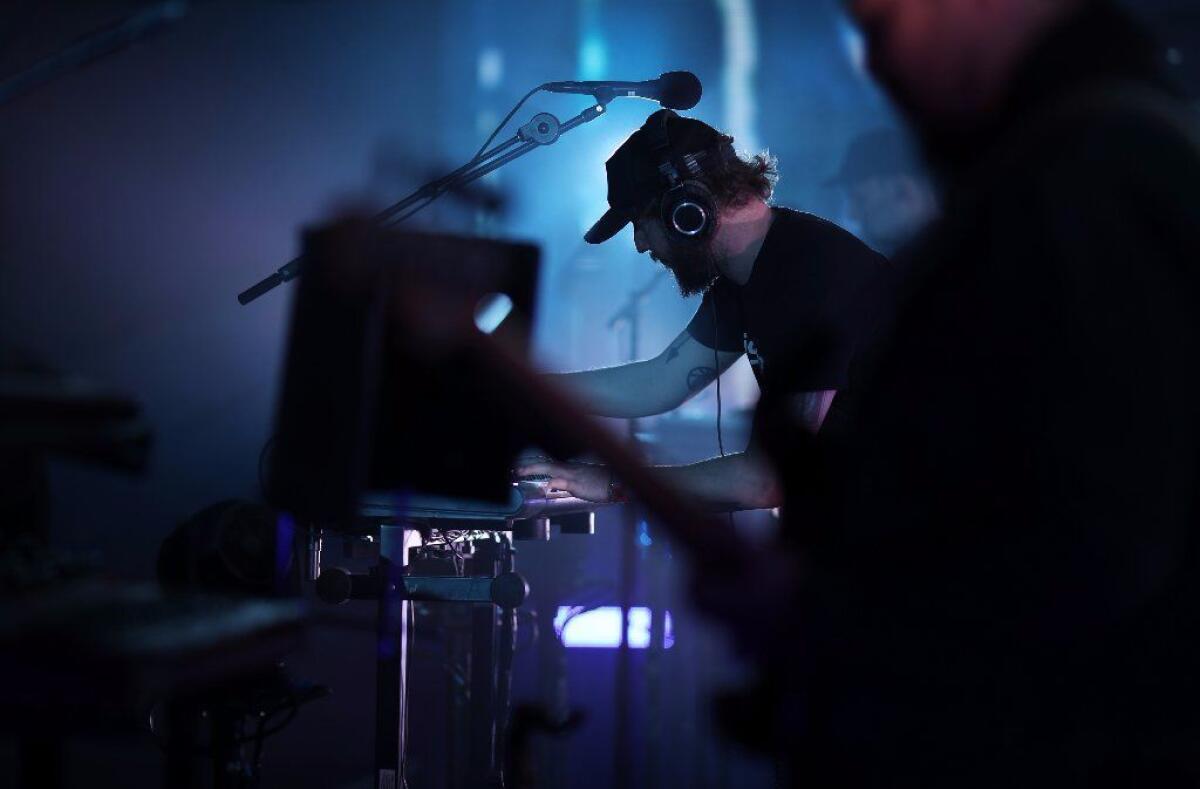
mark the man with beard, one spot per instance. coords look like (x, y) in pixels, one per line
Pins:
(1000, 583)
(775, 281)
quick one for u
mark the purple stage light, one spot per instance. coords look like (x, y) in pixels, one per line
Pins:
(600, 628)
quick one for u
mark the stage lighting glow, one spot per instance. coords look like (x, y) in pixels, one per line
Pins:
(600, 628)
(854, 46)
(737, 74)
(593, 58)
(491, 311)
(490, 68)
(593, 54)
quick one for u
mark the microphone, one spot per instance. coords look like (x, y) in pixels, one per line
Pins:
(675, 90)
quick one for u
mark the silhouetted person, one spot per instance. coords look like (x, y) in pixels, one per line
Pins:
(1000, 585)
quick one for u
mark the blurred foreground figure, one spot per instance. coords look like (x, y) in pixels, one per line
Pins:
(887, 192)
(1001, 585)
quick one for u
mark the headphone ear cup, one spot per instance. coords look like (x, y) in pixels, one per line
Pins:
(689, 211)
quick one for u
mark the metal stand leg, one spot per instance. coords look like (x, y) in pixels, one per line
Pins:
(483, 714)
(458, 706)
(504, 673)
(623, 742)
(391, 691)
(488, 587)
(483, 695)
(656, 596)
(555, 695)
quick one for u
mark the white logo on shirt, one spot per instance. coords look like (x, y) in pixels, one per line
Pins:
(756, 361)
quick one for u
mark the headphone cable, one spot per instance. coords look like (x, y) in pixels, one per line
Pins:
(717, 372)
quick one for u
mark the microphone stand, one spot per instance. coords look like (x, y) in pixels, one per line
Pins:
(543, 129)
(631, 515)
(631, 311)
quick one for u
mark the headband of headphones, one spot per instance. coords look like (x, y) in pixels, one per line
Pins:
(677, 169)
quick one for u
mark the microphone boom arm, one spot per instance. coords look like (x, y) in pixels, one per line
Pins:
(543, 129)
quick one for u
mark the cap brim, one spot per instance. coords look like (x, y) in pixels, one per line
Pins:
(609, 225)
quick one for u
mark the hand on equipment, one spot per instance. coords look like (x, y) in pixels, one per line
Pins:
(583, 480)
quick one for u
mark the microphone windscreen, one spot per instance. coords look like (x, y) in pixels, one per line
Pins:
(679, 90)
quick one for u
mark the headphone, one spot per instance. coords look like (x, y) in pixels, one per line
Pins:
(687, 209)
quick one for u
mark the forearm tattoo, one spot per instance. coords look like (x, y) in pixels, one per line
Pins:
(674, 348)
(700, 377)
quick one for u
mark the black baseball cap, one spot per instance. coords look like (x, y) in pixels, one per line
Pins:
(634, 180)
(876, 153)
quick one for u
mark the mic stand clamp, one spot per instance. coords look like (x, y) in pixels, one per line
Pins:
(543, 129)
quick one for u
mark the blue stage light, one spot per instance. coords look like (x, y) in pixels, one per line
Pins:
(600, 628)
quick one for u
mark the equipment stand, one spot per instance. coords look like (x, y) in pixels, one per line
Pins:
(492, 584)
(482, 743)
(631, 515)
(391, 691)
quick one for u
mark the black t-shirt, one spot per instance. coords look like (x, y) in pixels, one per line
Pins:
(803, 311)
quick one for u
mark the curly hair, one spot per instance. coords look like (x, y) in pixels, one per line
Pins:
(740, 180)
(736, 182)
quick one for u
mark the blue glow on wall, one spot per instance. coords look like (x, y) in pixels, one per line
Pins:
(593, 57)
(854, 46)
(490, 68)
(600, 628)
(593, 52)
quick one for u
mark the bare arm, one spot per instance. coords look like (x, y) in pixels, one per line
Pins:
(735, 482)
(650, 387)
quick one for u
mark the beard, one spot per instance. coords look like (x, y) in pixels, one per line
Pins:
(694, 267)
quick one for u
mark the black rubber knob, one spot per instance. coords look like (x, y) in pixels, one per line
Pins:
(509, 590)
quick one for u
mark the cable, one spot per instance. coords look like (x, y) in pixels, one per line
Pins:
(395, 220)
(717, 372)
(433, 190)
(504, 123)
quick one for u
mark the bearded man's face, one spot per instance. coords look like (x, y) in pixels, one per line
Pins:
(693, 263)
